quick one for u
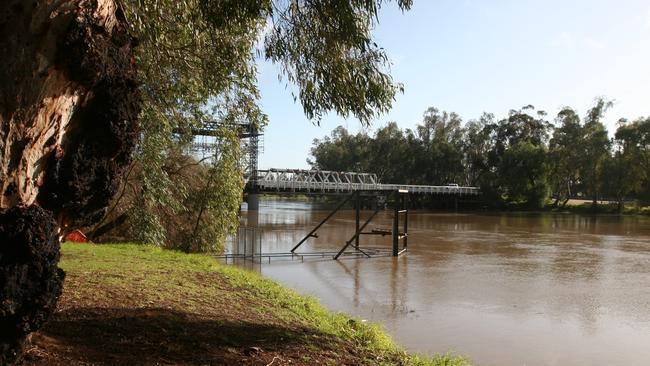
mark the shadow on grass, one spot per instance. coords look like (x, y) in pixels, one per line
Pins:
(161, 336)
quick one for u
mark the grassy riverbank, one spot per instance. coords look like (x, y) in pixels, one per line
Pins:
(134, 305)
(609, 208)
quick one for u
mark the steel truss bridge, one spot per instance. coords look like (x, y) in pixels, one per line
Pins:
(322, 181)
(349, 184)
(301, 180)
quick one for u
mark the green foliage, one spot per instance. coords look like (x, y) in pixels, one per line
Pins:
(627, 171)
(396, 155)
(477, 144)
(565, 154)
(508, 159)
(523, 174)
(194, 69)
(386, 152)
(441, 139)
(512, 160)
(325, 48)
(595, 148)
(213, 207)
(341, 151)
(197, 65)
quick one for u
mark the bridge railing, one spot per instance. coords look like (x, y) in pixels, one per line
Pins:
(329, 181)
(318, 186)
(433, 189)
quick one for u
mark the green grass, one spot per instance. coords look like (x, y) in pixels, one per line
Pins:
(146, 276)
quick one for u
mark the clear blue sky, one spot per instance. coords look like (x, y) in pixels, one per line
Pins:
(470, 56)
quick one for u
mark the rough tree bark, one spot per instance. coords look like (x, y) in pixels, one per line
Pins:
(68, 125)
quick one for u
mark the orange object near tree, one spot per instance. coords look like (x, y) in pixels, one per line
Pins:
(77, 237)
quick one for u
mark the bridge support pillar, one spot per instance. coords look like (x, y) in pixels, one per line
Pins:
(357, 217)
(396, 226)
(401, 207)
(253, 201)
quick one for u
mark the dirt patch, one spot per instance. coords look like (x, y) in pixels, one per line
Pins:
(114, 336)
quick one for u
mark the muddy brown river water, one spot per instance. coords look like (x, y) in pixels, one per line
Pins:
(515, 289)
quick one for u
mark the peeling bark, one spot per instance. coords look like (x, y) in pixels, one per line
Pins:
(68, 126)
(68, 103)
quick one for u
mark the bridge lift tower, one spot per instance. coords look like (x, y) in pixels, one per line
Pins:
(252, 142)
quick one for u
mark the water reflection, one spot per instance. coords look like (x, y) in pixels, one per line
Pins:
(504, 289)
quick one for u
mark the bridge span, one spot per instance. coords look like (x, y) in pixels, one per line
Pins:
(323, 181)
(351, 186)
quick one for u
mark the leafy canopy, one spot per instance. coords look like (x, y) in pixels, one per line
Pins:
(197, 64)
(520, 160)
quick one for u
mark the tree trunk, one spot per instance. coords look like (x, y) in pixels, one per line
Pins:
(621, 205)
(68, 109)
(594, 190)
(107, 227)
(556, 202)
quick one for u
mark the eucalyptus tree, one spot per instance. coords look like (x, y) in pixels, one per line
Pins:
(387, 154)
(642, 127)
(595, 148)
(520, 126)
(477, 145)
(524, 125)
(517, 156)
(565, 154)
(629, 168)
(341, 151)
(199, 61)
(74, 84)
(68, 108)
(195, 65)
(524, 172)
(412, 165)
(441, 136)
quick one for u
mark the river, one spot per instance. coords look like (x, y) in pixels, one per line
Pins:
(501, 289)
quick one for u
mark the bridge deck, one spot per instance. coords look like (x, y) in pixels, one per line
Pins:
(297, 180)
